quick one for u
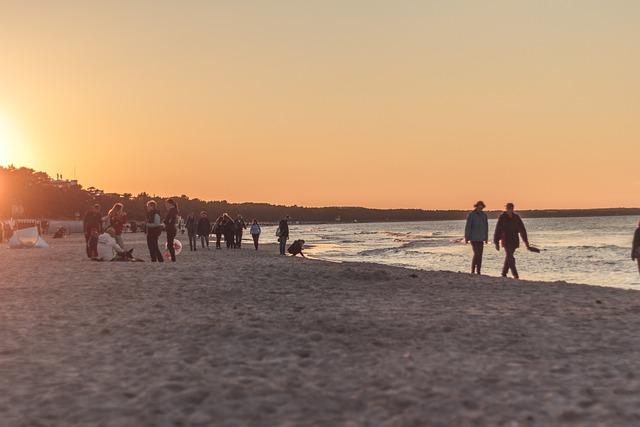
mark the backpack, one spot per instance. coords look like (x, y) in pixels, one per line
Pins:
(278, 232)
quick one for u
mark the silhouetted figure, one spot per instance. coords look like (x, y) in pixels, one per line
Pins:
(218, 230)
(476, 231)
(92, 219)
(635, 247)
(192, 228)
(153, 231)
(240, 225)
(296, 248)
(171, 226)
(229, 228)
(204, 229)
(507, 230)
(283, 233)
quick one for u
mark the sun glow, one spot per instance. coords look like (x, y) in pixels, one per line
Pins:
(13, 149)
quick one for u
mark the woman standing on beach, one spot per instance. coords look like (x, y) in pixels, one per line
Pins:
(635, 247)
(255, 232)
(118, 219)
(476, 231)
(191, 226)
(170, 224)
(218, 229)
(153, 231)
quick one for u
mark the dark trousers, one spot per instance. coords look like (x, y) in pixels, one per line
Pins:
(283, 244)
(509, 262)
(476, 262)
(204, 239)
(229, 238)
(92, 247)
(255, 240)
(152, 244)
(238, 239)
(192, 241)
(218, 238)
(171, 235)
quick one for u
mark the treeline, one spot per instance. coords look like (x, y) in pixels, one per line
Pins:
(41, 197)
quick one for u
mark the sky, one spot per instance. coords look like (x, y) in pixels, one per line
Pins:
(383, 104)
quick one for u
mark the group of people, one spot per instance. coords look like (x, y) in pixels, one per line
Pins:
(103, 235)
(507, 232)
(231, 229)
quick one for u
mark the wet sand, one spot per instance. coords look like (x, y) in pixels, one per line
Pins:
(246, 338)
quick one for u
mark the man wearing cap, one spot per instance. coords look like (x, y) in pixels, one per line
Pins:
(477, 232)
(507, 230)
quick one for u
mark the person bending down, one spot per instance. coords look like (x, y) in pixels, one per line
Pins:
(296, 248)
(108, 248)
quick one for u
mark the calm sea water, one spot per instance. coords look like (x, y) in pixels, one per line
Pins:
(593, 251)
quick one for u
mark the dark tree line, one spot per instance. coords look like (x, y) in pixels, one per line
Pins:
(42, 197)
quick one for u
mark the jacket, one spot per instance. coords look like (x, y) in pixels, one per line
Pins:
(118, 220)
(170, 221)
(507, 230)
(204, 226)
(92, 220)
(191, 225)
(153, 222)
(106, 247)
(255, 229)
(284, 228)
(477, 227)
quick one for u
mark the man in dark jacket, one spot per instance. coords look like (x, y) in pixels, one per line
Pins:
(92, 220)
(507, 229)
(284, 234)
(240, 225)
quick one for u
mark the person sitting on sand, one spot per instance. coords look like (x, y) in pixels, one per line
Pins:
(635, 247)
(296, 248)
(108, 248)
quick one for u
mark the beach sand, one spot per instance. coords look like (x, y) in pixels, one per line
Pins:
(246, 338)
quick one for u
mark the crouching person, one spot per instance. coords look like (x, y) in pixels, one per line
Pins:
(296, 248)
(108, 248)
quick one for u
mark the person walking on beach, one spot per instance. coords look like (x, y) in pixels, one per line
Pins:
(171, 225)
(255, 232)
(192, 227)
(507, 229)
(476, 231)
(92, 219)
(229, 228)
(153, 231)
(218, 230)
(283, 234)
(635, 247)
(240, 225)
(204, 229)
(118, 219)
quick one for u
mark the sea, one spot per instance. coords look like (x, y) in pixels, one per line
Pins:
(593, 250)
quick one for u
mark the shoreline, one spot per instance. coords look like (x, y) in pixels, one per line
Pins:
(252, 338)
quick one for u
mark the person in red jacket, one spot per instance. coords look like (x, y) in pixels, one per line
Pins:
(508, 228)
(117, 220)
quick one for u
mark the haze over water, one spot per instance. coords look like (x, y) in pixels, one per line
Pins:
(594, 251)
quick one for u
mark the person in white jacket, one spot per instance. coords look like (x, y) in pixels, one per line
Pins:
(108, 248)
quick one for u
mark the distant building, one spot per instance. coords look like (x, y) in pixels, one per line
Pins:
(62, 183)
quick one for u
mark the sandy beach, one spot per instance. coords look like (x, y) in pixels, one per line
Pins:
(246, 338)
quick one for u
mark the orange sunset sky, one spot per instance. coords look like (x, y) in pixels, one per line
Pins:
(386, 104)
